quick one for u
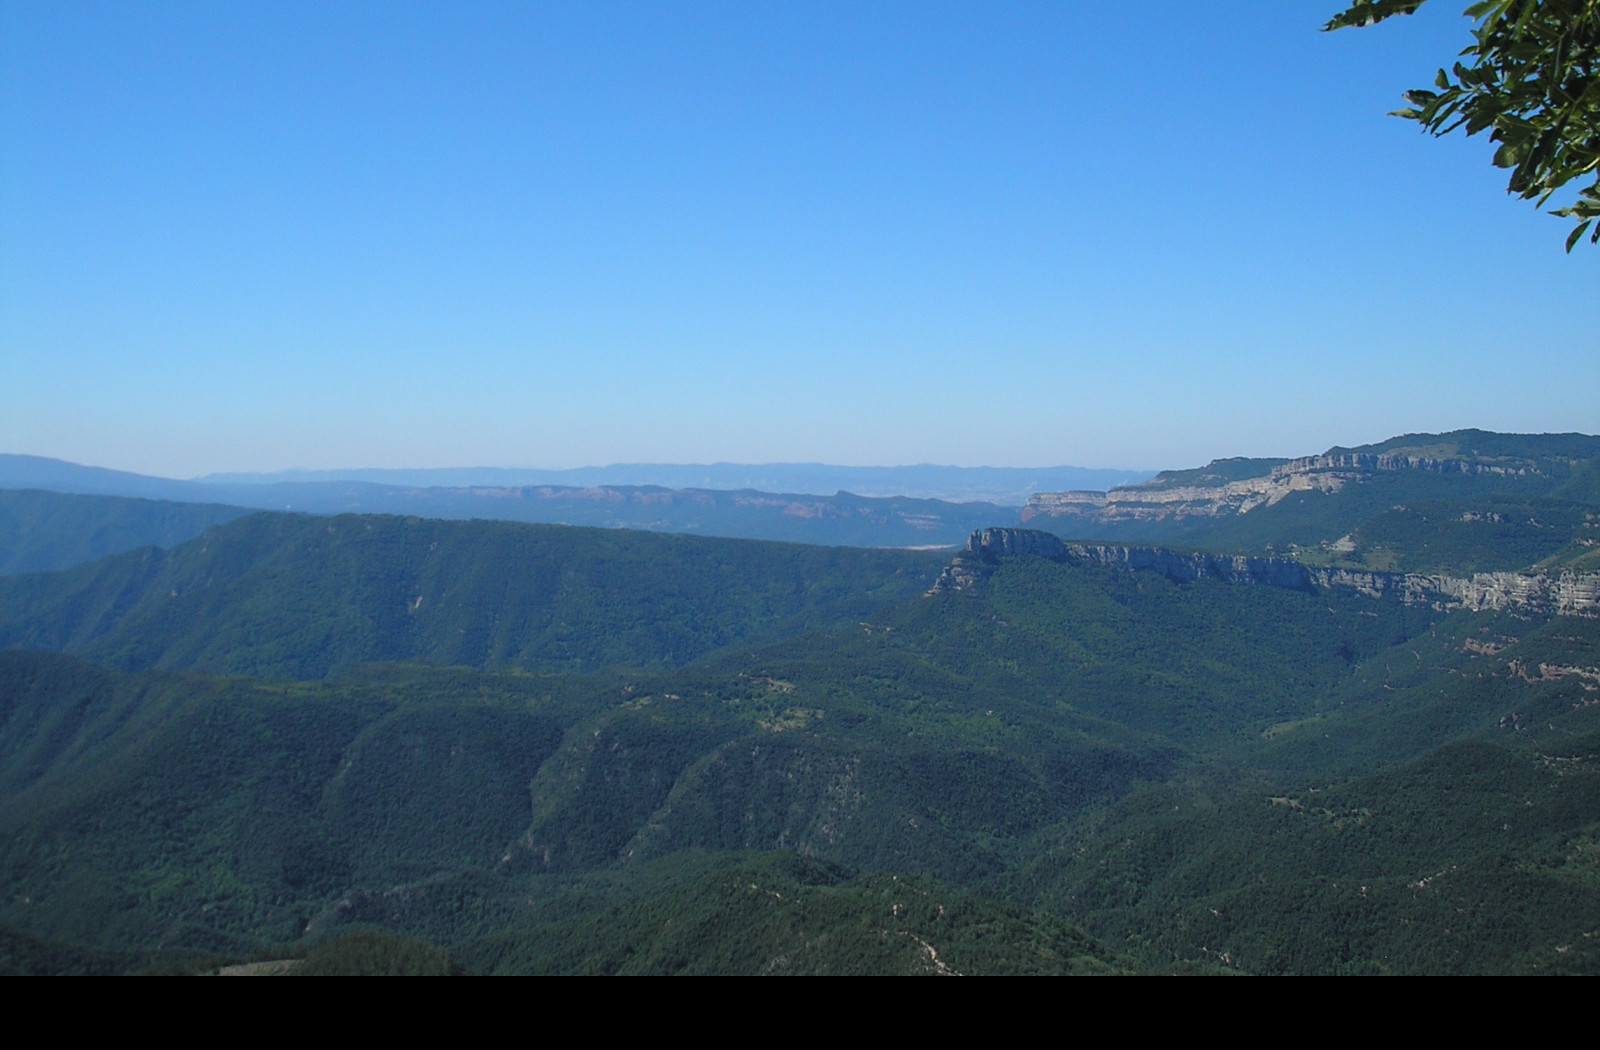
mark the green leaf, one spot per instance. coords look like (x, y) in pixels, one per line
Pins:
(1577, 235)
(1529, 78)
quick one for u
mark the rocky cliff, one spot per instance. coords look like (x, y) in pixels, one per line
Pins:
(1203, 493)
(1567, 594)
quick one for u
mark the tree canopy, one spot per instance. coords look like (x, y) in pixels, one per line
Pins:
(1532, 79)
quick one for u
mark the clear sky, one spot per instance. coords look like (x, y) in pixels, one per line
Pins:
(260, 236)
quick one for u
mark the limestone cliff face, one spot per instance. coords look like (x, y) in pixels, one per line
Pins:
(1144, 502)
(1161, 499)
(992, 543)
(1568, 594)
(1372, 461)
(987, 546)
(1078, 504)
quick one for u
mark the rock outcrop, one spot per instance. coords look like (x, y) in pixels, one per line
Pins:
(1566, 594)
(1166, 497)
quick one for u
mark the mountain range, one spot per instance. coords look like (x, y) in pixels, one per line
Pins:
(1329, 714)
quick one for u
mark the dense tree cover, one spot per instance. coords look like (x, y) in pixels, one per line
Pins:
(781, 914)
(22, 954)
(1004, 741)
(376, 953)
(1532, 80)
(1543, 453)
(1357, 843)
(1477, 858)
(288, 595)
(1490, 534)
(1204, 775)
(43, 531)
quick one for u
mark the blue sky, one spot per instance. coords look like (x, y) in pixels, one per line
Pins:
(252, 237)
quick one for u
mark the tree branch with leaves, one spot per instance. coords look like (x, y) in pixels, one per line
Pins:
(1532, 80)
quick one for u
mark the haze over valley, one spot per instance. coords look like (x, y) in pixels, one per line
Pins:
(829, 489)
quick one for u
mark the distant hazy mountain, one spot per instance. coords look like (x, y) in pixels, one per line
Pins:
(1325, 508)
(1006, 485)
(836, 519)
(57, 475)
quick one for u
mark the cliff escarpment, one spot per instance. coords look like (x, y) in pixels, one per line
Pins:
(1566, 593)
(1161, 498)
(1231, 487)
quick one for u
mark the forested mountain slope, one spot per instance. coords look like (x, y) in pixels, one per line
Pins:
(295, 596)
(607, 752)
(1023, 741)
(44, 531)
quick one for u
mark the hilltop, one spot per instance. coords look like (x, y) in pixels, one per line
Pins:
(1317, 503)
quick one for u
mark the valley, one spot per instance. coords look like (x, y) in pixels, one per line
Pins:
(1336, 714)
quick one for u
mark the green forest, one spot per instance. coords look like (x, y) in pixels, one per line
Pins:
(362, 744)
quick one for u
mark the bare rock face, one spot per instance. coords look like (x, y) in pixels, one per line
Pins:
(1369, 462)
(1231, 568)
(1569, 594)
(1160, 499)
(962, 574)
(1075, 504)
(1144, 503)
(986, 547)
(993, 543)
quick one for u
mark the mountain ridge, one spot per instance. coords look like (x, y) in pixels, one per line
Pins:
(1566, 593)
(1348, 732)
